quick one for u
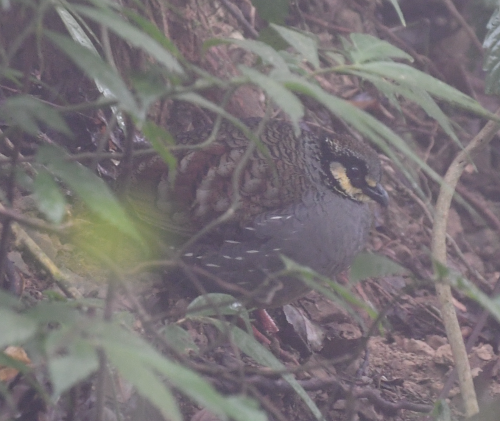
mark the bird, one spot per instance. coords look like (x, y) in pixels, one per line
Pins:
(304, 196)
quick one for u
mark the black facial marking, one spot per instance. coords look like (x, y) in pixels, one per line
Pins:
(355, 170)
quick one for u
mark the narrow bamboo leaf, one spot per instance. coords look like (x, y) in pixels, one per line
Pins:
(263, 356)
(366, 48)
(492, 55)
(133, 35)
(91, 189)
(254, 349)
(179, 339)
(283, 98)
(330, 289)
(144, 379)
(95, 68)
(15, 328)
(194, 98)
(78, 363)
(367, 265)
(216, 304)
(404, 74)
(79, 35)
(398, 11)
(31, 115)
(48, 196)
(75, 30)
(272, 11)
(414, 93)
(122, 345)
(306, 46)
(153, 31)
(456, 280)
(268, 54)
(160, 139)
(55, 312)
(202, 102)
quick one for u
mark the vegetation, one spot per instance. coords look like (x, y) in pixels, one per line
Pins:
(70, 338)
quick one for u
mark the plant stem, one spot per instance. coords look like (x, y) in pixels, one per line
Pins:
(439, 254)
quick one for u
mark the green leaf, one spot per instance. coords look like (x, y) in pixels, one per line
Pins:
(270, 37)
(48, 196)
(330, 289)
(148, 86)
(79, 35)
(152, 30)
(216, 304)
(91, 189)
(75, 29)
(398, 11)
(254, 349)
(143, 378)
(194, 98)
(305, 45)
(456, 280)
(133, 35)
(78, 363)
(366, 48)
(283, 98)
(268, 54)
(179, 339)
(406, 75)
(367, 265)
(133, 355)
(55, 312)
(95, 68)
(272, 11)
(15, 328)
(492, 56)
(160, 139)
(414, 93)
(30, 114)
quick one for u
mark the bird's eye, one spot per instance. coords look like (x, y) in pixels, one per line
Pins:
(354, 172)
(356, 175)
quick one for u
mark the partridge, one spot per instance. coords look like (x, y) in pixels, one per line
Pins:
(302, 196)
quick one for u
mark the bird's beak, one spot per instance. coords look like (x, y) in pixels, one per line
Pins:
(378, 194)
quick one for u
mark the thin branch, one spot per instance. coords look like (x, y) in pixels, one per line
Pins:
(34, 223)
(439, 254)
(249, 29)
(470, 32)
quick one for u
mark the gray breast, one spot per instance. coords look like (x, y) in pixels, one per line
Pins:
(324, 231)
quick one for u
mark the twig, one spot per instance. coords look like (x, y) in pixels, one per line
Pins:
(470, 32)
(249, 29)
(439, 255)
(34, 223)
(265, 384)
(7, 222)
(24, 241)
(327, 25)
